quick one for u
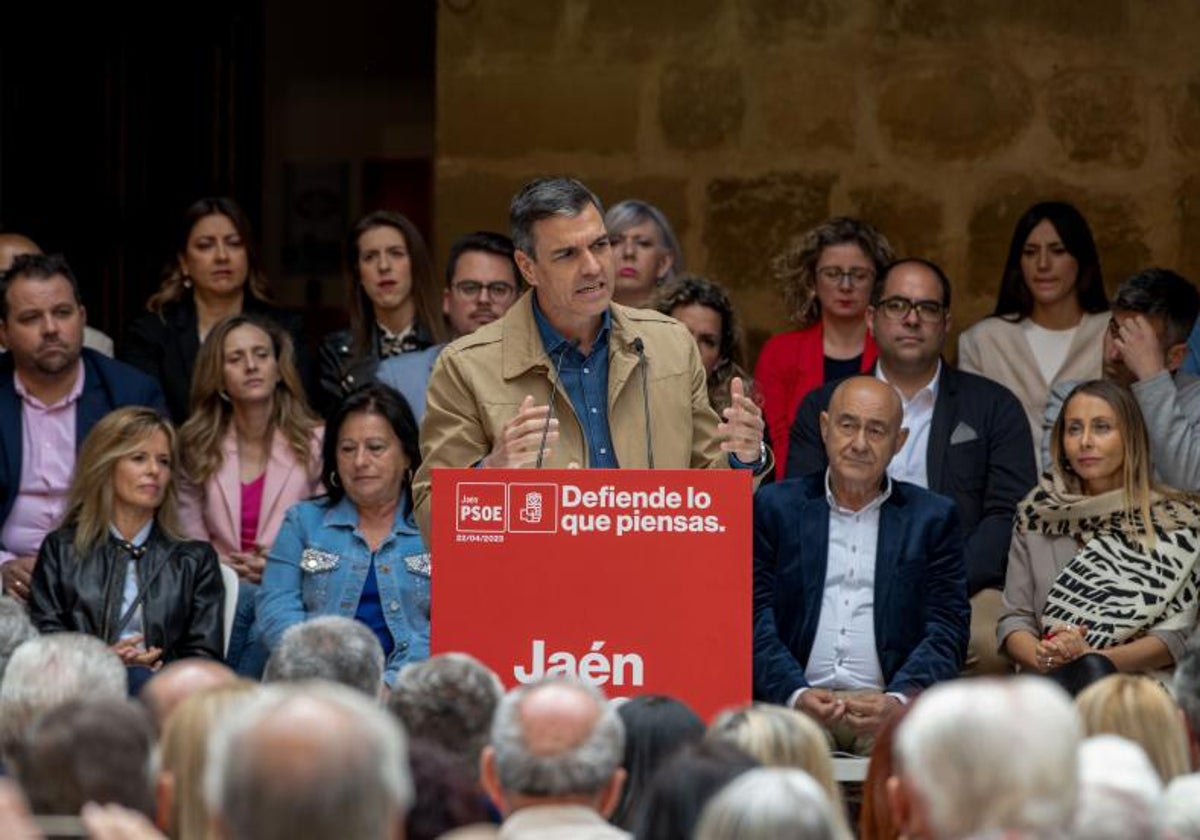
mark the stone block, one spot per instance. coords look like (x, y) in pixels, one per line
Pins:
(701, 107)
(1188, 212)
(1185, 117)
(944, 19)
(912, 221)
(775, 21)
(802, 107)
(667, 194)
(471, 200)
(636, 31)
(750, 220)
(520, 112)
(476, 29)
(1097, 115)
(953, 109)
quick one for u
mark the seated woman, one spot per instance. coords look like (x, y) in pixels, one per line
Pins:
(116, 569)
(705, 309)
(395, 305)
(645, 249)
(250, 450)
(357, 551)
(1103, 568)
(215, 273)
(826, 280)
(1050, 316)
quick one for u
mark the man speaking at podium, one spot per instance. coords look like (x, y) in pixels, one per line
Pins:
(567, 378)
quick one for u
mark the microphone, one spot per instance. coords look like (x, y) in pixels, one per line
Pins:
(639, 347)
(554, 380)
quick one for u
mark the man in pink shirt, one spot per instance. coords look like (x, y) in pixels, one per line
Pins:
(52, 391)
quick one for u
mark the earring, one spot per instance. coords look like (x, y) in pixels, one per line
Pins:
(224, 395)
(333, 479)
(187, 281)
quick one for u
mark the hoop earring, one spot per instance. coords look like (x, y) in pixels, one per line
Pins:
(224, 395)
(333, 479)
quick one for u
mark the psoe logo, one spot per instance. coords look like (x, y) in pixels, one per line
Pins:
(532, 508)
(480, 507)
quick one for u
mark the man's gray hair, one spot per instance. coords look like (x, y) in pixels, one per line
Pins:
(330, 647)
(990, 754)
(542, 198)
(15, 629)
(49, 670)
(1120, 792)
(1183, 806)
(770, 802)
(450, 699)
(583, 770)
(271, 777)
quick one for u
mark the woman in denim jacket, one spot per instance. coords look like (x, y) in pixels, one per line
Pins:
(356, 552)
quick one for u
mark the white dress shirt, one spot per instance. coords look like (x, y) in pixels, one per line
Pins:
(910, 463)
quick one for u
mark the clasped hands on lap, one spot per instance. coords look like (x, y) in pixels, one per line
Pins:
(863, 711)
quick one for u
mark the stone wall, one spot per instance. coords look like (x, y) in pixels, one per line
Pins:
(939, 121)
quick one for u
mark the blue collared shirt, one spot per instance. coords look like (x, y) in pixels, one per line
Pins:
(130, 590)
(585, 379)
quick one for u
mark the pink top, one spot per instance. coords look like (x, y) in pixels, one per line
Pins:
(47, 461)
(252, 493)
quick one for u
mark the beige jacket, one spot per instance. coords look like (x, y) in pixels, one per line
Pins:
(479, 381)
(997, 348)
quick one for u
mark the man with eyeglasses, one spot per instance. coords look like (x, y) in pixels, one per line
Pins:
(967, 435)
(482, 282)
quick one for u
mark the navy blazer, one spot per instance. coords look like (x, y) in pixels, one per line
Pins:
(107, 384)
(922, 616)
(980, 454)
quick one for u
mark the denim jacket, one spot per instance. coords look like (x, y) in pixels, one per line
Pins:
(318, 566)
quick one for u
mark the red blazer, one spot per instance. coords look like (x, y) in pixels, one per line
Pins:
(790, 365)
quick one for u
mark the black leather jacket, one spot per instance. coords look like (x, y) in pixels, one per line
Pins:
(183, 610)
(340, 371)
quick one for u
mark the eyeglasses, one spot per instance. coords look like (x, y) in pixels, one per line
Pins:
(857, 277)
(897, 309)
(498, 291)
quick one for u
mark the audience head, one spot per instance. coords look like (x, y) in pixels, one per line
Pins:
(329, 647)
(983, 755)
(482, 281)
(828, 272)
(180, 680)
(215, 256)
(88, 751)
(1100, 443)
(682, 787)
(371, 449)
(1182, 807)
(15, 629)
(1051, 256)
(1186, 685)
(184, 754)
(768, 803)
(50, 670)
(13, 245)
(776, 736)
(450, 700)
(447, 795)
(1140, 709)
(1168, 301)
(124, 466)
(655, 728)
(318, 761)
(42, 317)
(705, 309)
(1120, 794)
(862, 432)
(391, 275)
(555, 741)
(645, 250)
(910, 316)
(875, 818)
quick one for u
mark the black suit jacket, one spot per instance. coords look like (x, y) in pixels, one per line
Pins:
(980, 455)
(165, 347)
(107, 384)
(921, 617)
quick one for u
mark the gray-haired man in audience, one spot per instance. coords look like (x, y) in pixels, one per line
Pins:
(332, 648)
(554, 763)
(989, 758)
(317, 761)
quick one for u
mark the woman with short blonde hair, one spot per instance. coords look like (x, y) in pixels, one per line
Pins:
(1140, 709)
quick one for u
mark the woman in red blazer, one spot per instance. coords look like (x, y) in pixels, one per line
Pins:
(826, 280)
(250, 450)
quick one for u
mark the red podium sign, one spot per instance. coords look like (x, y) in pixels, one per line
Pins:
(636, 580)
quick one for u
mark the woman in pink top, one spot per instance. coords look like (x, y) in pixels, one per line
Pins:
(250, 450)
(826, 280)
